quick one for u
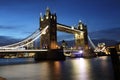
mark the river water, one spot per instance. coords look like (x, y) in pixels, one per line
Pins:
(71, 69)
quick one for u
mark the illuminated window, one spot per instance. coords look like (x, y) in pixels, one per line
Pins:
(81, 33)
(54, 17)
(41, 19)
(51, 17)
(46, 17)
(81, 27)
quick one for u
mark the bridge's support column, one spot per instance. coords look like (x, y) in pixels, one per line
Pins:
(49, 39)
(81, 39)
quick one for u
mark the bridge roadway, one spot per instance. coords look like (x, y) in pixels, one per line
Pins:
(20, 51)
(32, 50)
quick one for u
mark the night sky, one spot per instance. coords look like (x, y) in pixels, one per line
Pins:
(20, 18)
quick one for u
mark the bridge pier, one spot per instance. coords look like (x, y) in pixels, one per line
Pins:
(53, 54)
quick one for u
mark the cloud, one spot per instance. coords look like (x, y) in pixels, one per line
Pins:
(109, 34)
(5, 27)
(18, 28)
(6, 40)
(18, 31)
(112, 34)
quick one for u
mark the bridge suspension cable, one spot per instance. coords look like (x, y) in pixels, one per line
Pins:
(97, 48)
(23, 41)
(26, 41)
(36, 37)
(92, 44)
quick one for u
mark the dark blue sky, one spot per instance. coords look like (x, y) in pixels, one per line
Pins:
(20, 18)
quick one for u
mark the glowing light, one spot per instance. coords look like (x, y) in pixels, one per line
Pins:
(81, 51)
(81, 27)
(47, 17)
(51, 17)
(72, 27)
(44, 32)
(82, 66)
(81, 33)
(53, 45)
(41, 19)
(76, 34)
(54, 17)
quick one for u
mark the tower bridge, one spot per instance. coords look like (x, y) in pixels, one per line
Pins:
(47, 33)
(49, 40)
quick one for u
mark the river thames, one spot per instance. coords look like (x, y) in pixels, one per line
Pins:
(99, 68)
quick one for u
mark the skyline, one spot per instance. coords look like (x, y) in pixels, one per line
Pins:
(20, 18)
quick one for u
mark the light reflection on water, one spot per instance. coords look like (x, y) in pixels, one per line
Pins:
(70, 69)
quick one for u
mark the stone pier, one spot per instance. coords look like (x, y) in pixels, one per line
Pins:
(54, 54)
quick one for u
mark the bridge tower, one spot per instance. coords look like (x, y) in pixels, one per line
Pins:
(81, 39)
(48, 40)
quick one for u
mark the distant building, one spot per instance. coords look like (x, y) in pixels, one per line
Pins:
(64, 44)
(117, 46)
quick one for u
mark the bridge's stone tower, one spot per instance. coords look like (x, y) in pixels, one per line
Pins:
(48, 40)
(81, 39)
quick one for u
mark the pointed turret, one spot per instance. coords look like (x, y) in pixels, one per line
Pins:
(80, 25)
(41, 17)
(48, 11)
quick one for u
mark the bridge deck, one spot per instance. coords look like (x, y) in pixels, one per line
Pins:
(32, 50)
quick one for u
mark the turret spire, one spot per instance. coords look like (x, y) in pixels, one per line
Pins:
(47, 11)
